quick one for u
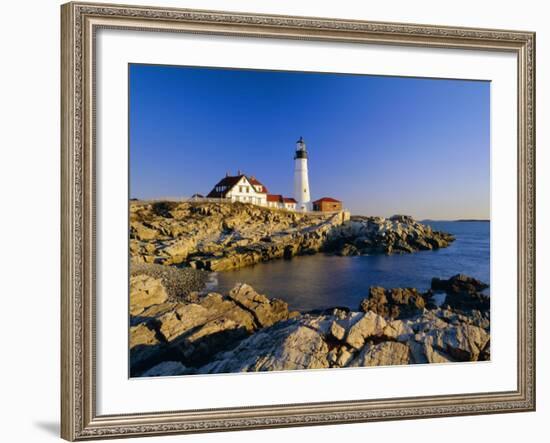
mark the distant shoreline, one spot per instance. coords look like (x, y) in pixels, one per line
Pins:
(465, 220)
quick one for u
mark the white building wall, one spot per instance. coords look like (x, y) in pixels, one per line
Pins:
(244, 192)
(301, 185)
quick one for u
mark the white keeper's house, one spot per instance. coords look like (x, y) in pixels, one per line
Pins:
(247, 189)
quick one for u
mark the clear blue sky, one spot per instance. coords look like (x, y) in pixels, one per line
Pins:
(382, 145)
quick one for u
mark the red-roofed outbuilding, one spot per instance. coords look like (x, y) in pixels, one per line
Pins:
(327, 204)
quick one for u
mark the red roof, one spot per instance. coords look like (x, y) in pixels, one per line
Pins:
(327, 199)
(289, 200)
(254, 181)
(229, 182)
(274, 198)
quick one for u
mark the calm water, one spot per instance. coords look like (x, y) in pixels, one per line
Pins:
(321, 281)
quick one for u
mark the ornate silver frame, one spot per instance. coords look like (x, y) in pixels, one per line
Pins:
(80, 21)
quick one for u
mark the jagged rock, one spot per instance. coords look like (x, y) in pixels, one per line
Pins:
(459, 284)
(144, 345)
(193, 332)
(348, 250)
(337, 331)
(393, 303)
(141, 232)
(383, 354)
(247, 331)
(463, 293)
(425, 353)
(265, 311)
(398, 330)
(145, 291)
(345, 356)
(223, 236)
(286, 345)
(369, 325)
(376, 235)
(166, 368)
(463, 342)
(466, 302)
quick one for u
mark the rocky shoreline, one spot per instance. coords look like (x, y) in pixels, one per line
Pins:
(244, 331)
(178, 327)
(225, 236)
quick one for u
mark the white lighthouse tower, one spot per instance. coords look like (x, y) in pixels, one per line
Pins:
(301, 181)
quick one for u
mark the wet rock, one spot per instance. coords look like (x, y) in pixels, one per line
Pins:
(458, 284)
(393, 303)
(463, 293)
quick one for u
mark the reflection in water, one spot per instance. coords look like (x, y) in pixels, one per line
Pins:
(321, 281)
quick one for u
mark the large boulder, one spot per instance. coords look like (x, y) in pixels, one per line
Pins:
(287, 345)
(393, 303)
(369, 325)
(192, 333)
(265, 311)
(387, 353)
(463, 293)
(463, 342)
(458, 284)
(145, 291)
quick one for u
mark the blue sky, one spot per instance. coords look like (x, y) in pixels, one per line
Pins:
(382, 145)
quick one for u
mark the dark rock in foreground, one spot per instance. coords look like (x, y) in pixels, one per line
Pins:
(458, 284)
(394, 303)
(463, 293)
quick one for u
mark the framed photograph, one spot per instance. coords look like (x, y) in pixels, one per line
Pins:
(277, 221)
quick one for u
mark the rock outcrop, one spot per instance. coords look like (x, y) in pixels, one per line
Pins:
(376, 235)
(224, 236)
(394, 303)
(247, 331)
(463, 293)
(191, 333)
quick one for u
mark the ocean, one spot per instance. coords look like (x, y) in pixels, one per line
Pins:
(322, 281)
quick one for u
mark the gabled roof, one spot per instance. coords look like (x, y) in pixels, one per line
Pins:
(254, 181)
(327, 199)
(229, 182)
(289, 200)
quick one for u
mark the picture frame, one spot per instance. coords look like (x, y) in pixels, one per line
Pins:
(80, 24)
